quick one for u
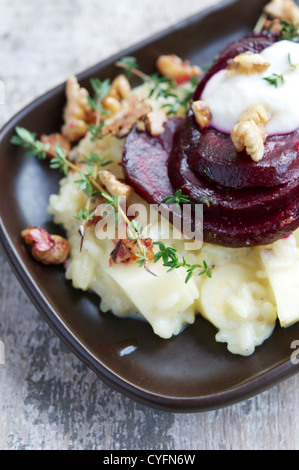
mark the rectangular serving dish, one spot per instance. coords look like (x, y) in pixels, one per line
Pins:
(191, 372)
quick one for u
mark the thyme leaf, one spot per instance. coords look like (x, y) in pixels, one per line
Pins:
(288, 31)
(171, 260)
(276, 79)
(26, 139)
(85, 214)
(94, 158)
(177, 199)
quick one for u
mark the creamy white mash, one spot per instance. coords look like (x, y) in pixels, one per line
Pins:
(229, 96)
(250, 288)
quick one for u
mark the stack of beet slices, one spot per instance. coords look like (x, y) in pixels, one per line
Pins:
(246, 203)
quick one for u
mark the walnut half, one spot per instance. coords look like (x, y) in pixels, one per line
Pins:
(77, 111)
(113, 185)
(174, 67)
(286, 10)
(247, 64)
(202, 112)
(132, 111)
(249, 133)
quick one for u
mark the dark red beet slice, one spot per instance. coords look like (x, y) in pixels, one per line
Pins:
(257, 232)
(157, 166)
(231, 203)
(145, 162)
(237, 218)
(213, 156)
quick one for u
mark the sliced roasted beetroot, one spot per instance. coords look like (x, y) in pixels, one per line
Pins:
(212, 155)
(231, 218)
(158, 166)
(145, 162)
(235, 218)
(262, 230)
(225, 202)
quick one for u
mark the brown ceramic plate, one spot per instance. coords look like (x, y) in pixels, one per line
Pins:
(191, 372)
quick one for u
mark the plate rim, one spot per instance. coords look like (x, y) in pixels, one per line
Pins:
(155, 400)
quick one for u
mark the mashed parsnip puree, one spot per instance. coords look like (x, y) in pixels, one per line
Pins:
(250, 290)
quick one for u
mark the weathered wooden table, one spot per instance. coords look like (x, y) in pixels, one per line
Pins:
(48, 399)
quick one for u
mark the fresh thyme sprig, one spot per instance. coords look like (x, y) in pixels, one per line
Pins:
(94, 158)
(276, 79)
(289, 31)
(130, 66)
(182, 102)
(171, 260)
(142, 258)
(60, 162)
(87, 183)
(84, 217)
(96, 131)
(101, 89)
(85, 214)
(157, 83)
(27, 139)
(177, 199)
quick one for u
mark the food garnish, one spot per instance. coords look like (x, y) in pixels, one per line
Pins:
(249, 133)
(247, 63)
(279, 79)
(124, 121)
(174, 67)
(53, 140)
(161, 87)
(170, 260)
(286, 10)
(202, 112)
(77, 111)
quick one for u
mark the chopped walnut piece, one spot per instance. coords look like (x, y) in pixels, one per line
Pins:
(284, 10)
(258, 113)
(202, 112)
(154, 122)
(47, 249)
(112, 105)
(53, 140)
(247, 64)
(249, 133)
(113, 185)
(133, 110)
(174, 67)
(120, 88)
(77, 111)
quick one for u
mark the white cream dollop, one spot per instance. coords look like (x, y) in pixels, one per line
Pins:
(229, 96)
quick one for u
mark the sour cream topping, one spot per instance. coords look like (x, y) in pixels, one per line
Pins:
(229, 96)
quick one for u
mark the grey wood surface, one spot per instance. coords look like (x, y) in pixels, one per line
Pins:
(48, 399)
